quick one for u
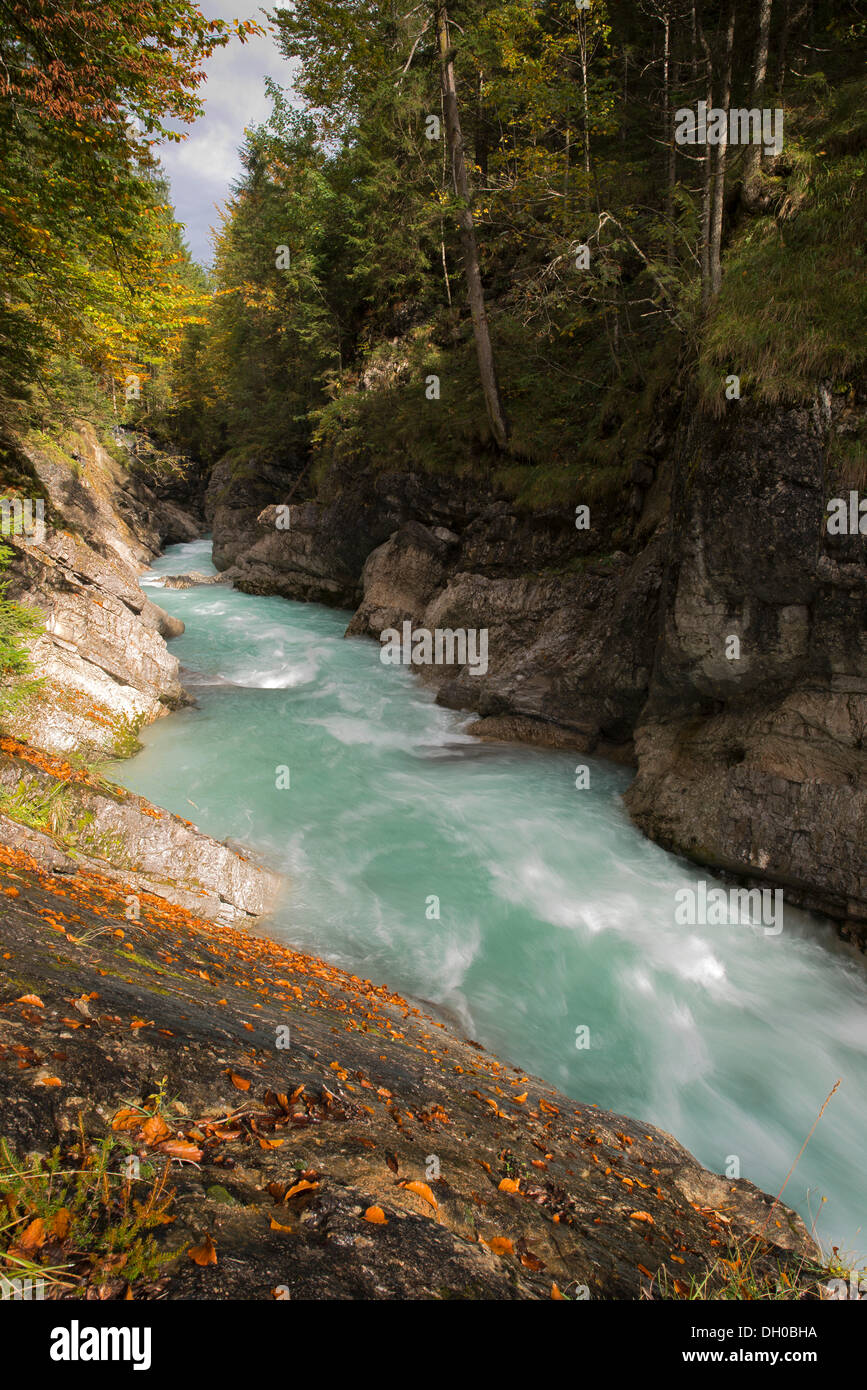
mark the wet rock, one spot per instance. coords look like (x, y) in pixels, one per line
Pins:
(492, 1184)
(756, 762)
(104, 666)
(193, 580)
(126, 839)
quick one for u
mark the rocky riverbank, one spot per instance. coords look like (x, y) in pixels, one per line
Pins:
(294, 1131)
(320, 1137)
(104, 671)
(616, 637)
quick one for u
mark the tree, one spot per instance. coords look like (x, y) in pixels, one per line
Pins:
(87, 250)
(475, 292)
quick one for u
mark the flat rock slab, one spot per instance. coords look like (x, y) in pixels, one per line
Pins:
(279, 1068)
(124, 837)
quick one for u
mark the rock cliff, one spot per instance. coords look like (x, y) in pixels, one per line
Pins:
(104, 671)
(312, 1134)
(615, 638)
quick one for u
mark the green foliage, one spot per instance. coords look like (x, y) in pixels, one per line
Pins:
(18, 626)
(74, 1220)
(91, 262)
(338, 283)
(564, 117)
(793, 307)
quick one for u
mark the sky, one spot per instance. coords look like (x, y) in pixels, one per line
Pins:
(202, 168)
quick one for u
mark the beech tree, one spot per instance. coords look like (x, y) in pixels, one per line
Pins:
(90, 261)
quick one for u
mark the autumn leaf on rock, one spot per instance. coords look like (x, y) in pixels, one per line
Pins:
(509, 1185)
(239, 1082)
(154, 1130)
(126, 1119)
(376, 1216)
(179, 1148)
(531, 1261)
(302, 1186)
(501, 1245)
(32, 1238)
(31, 999)
(204, 1254)
(641, 1216)
(422, 1190)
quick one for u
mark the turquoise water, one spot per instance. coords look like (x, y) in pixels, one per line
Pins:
(554, 912)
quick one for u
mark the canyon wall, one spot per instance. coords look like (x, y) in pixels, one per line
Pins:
(616, 639)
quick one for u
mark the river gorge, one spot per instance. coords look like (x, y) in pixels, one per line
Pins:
(480, 879)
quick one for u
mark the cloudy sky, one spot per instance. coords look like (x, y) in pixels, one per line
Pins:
(204, 165)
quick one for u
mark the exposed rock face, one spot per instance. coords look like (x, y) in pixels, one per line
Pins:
(570, 631)
(193, 580)
(123, 837)
(105, 671)
(758, 764)
(531, 1188)
(564, 662)
(105, 667)
(614, 639)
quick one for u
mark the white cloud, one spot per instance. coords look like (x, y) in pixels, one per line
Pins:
(202, 168)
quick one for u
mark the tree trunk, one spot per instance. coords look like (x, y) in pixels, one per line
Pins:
(669, 140)
(707, 185)
(475, 291)
(582, 40)
(753, 159)
(790, 22)
(720, 176)
(566, 158)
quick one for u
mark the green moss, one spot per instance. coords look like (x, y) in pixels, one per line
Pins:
(125, 731)
(793, 305)
(575, 432)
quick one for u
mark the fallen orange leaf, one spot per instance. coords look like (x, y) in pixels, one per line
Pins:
(302, 1186)
(154, 1129)
(178, 1148)
(60, 1224)
(33, 1236)
(422, 1190)
(501, 1245)
(126, 1119)
(376, 1216)
(204, 1254)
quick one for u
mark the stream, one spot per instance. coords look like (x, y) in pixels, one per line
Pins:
(480, 878)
